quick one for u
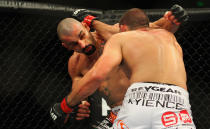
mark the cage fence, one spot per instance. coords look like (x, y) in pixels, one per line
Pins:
(33, 64)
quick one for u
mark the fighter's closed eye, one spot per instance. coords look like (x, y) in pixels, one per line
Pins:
(82, 36)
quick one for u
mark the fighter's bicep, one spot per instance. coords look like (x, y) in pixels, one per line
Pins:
(73, 68)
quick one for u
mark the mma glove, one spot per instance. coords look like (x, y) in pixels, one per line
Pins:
(83, 16)
(179, 13)
(61, 113)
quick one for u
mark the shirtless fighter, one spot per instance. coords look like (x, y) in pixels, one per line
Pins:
(152, 59)
(82, 34)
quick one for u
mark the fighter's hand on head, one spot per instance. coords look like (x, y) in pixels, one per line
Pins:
(83, 111)
(177, 15)
(83, 15)
(61, 113)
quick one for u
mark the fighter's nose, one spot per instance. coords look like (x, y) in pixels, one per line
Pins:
(81, 43)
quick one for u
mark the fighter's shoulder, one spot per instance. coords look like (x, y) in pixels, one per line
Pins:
(124, 36)
(124, 33)
(74, 58)
(73, 64)
(168, 34)
(119, 35)
(163, 31)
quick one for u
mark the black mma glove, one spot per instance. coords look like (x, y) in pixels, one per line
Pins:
(82, 15)
(176, 15)
(180, 13)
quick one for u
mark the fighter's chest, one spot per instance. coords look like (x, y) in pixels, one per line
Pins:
(86, 65)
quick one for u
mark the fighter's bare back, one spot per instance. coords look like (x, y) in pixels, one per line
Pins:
(152, 55)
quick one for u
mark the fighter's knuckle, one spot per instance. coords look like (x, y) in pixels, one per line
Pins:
(82, 115)
(84, 108)
(80, 118)
(80, 110)
(79, 114)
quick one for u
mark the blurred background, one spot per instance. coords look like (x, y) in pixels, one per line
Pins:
(33, 64)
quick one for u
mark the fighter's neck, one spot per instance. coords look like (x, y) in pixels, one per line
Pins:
(144, 29)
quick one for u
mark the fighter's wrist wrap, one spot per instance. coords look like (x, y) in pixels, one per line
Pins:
(89, 20)
(61, 113)
(66, 107)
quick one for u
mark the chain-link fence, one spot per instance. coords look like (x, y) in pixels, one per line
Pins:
(33, 67)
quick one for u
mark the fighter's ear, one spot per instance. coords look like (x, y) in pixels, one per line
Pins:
(123, 28)
(64, 45)
(85, 25)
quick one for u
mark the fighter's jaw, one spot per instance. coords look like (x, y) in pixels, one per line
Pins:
(75, 48)
(72, 49)
(78, 51)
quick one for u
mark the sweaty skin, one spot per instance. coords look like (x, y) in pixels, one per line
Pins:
(145, 55)
(156, 57)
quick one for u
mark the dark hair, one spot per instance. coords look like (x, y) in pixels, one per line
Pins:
(134, 18)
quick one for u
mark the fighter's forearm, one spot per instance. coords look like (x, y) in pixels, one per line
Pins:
(75, 82)
(105, 30)
(86, 86)
(165, 24)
